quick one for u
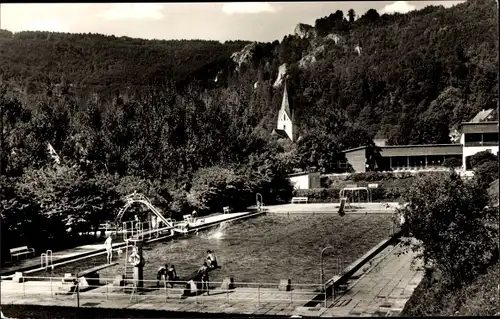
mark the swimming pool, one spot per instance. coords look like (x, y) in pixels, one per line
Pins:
(264, 249)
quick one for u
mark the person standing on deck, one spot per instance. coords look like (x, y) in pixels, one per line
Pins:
(203, 273)
(154, 224)
(108, 244)
(137, 222)
(161, 274)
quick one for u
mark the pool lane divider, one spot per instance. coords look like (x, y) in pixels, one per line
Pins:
(101, 251)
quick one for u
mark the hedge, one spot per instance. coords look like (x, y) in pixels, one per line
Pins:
(329, 195)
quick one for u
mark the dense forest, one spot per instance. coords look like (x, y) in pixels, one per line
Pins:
(189, 122)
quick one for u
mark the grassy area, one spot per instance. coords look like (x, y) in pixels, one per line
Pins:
(46, 312)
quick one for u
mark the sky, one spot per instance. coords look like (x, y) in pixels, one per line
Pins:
(254, 21)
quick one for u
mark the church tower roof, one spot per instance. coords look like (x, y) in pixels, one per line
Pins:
(285, 105)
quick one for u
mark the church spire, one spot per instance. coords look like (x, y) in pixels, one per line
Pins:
(285, 105)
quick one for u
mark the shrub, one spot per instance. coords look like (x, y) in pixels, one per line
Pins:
(482, 157)
(318, 195)
(455, 232)
(486, 173)
(331, 195)
(452, 162)
(370, 177)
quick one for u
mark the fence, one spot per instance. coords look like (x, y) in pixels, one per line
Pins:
(53, 287)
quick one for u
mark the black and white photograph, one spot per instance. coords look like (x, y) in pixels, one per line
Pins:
(249, 159)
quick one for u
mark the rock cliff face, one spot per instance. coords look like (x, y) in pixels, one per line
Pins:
(312, 57)
(305, 31)
(333, 37)
(358, 49)
(244, 56)
(282, 71)
(307, 61)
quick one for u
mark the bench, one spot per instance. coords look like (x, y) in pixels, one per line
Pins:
(299, 200)
(19, 251)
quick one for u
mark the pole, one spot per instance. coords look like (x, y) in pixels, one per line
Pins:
(78, 294)
(321, 263)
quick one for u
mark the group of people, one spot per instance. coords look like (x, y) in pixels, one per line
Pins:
(209, 263)
(166, 274)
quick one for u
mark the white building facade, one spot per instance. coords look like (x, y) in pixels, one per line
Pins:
(305, 180)
(478, 137)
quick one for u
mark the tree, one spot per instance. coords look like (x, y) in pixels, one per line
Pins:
(455, 233)
(371, 15)
(15, 119)
(352, 15)
(70, 200)
(214, 188)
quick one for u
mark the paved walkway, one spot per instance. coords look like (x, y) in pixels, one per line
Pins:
(33, 263)
(383, 288)
(332, 208)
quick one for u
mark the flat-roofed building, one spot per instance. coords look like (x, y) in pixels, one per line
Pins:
(477, 135)
(401, 157)
(305, 180)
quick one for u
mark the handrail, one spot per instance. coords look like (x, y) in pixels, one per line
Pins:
(299, 294)
(46, 259)
(235, 283)
(140, 198)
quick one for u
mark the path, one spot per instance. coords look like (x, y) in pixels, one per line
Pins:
(58, 256)
(357, 208)
(384, 289)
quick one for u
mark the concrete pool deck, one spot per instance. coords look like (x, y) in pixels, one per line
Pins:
(357, 208)
(58, 256)
(384, 288)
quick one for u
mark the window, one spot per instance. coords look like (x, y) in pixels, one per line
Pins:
(284, 127)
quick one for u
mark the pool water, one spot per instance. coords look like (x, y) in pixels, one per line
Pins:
(264, 249)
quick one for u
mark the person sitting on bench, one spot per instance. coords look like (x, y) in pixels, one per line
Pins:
(171, 274)
(161, 274)
(211, 260)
